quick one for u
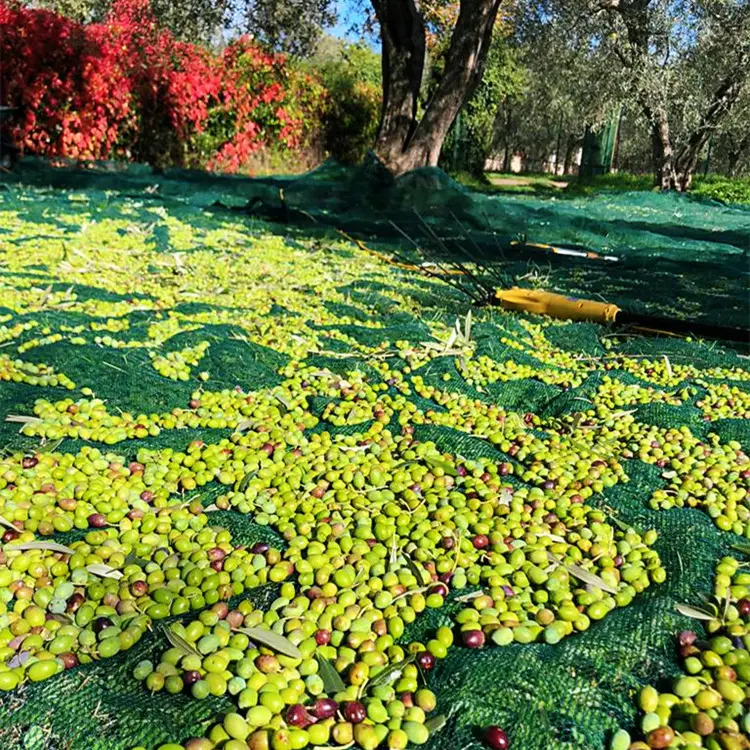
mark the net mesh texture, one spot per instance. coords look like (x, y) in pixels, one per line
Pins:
(676, 257)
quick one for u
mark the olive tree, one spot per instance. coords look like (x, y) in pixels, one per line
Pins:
(682, 63)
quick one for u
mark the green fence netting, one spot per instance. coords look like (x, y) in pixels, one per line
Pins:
(97, 263)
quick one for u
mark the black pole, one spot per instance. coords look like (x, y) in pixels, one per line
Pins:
(708, 156)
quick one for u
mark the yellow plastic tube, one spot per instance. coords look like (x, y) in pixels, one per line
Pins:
(556, 305)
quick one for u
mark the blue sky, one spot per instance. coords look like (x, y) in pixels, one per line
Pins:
(349, 12)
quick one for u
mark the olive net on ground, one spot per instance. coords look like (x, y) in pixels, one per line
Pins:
(570, 695)
(674, 255)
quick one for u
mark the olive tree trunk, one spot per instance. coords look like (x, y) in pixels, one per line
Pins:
(721, 104)
(405, 142)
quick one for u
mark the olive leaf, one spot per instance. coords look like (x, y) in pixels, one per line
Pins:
(6, 522)
(283, 401)
(49, 546)
(590, 578)
(272, 640)
(390, 673)
(743, 548)
(583, 575)
(242, 485)
(50, 447)
(394, 552)
(104, 571)
(553, 537)
(438, 463)
(696, 614)
(180, 643)
(616, 521)
(133, 559)
(418, 573)
(435, 724)
(332, 682)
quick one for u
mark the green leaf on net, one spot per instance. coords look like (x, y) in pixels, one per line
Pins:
(332, 682)
(272, 640)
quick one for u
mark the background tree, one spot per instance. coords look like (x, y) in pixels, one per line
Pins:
(730, 148)
(189, 20)
(292, 26)
(659, 45)
(405, 139)
(474, 135)
(565, 88)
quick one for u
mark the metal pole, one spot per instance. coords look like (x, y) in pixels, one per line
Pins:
(616, 159)
(557, 149)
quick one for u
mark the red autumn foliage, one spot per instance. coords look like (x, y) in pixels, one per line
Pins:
(126, 88)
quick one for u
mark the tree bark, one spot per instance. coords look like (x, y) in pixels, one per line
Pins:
(403, 42)
(663, 154)
(403, 143)
(570, 152)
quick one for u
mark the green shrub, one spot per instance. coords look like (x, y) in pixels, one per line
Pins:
(351, 75)
(724, 189)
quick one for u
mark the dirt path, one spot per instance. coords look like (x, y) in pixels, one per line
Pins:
(525, 181)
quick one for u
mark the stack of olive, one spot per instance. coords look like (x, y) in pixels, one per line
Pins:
(63, 606)
(19, 371)
(708, 706)
(89, 419)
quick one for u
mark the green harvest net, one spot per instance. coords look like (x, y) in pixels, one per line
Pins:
(80, 252)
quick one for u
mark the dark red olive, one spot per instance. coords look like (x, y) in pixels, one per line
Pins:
(191, 677)
(297, 716)
(259, 548)
(75, 601)
(743, 605)
(147, 496)
(354, 712)
(439, 588)
(325, 708)
(473, 638)
(139, 588)
(100, 623)
(407, 699)
(426, 660)
(69, 660)
(448, 542)
(480, 541)
(322, 637)
(495, 738)
(136, 468)
(687, 638)
(97, 520)
(29, 462)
